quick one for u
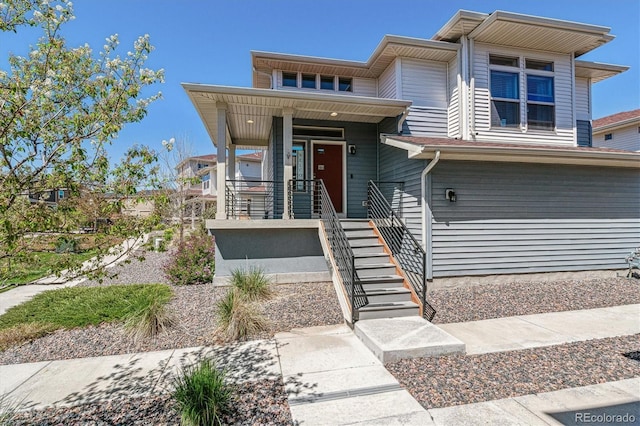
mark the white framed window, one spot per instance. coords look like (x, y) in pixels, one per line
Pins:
(311, 81)
(506, 74)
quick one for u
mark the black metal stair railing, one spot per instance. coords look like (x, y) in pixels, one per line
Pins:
(409, 254)
(309, 198)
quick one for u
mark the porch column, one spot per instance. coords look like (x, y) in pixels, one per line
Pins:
(287, 147)
(232, 162)
(221, 153)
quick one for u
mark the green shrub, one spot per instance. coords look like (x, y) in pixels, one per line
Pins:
(193, 262)
(202, 394)
(67, 244)
(238, 318)
(252, 284)
(150, 320)
(82, 306)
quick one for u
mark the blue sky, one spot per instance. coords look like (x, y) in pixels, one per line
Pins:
(209, 42)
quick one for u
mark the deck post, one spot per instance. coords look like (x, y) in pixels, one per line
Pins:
(231, 164)
(287, 147)
(221, 158)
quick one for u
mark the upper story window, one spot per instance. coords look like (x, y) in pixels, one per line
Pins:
(344, 84)
(507, 101)
(608, 136)
(317, 81)
(327, 82)
(309, 81)
(290, 79)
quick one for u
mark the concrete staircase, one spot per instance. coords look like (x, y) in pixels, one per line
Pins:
(388, 298)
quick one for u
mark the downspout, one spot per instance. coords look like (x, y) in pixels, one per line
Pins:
(267, 74)
(427, 224)
(402, 119)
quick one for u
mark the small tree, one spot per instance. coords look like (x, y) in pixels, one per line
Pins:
(60, 108)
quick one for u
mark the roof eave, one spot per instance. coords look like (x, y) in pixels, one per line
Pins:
(525, 154)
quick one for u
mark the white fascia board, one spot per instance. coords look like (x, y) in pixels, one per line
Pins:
(293, 95)
(541, 22)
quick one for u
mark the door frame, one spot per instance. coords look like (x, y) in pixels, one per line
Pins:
(343, 144)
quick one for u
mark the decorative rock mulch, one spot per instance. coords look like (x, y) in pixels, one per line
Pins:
(458, 379)
(254, 403)
(478, 302)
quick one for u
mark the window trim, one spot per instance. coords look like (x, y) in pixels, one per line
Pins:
(523, 87)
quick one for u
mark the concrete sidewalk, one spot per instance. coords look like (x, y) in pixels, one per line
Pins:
(555, 328)
(76, 381)
(333, 379)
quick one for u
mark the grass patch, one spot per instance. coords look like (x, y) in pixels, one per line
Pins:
(80, 307)
(38, 266)
(238, 318)
(202, 394)
(253, 284)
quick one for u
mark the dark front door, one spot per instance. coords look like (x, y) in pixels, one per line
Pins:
(327, 165)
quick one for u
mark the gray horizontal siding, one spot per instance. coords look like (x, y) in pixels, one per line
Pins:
(425, 121)
(395, 166)
(520, 218)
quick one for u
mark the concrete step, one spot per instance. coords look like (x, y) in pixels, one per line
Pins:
(364, 241)
(385, 295)
(410, 337)
(359, 233)
(376, 269)
(371, 258)
(367, 250)
(388, 310)
(382, 281)
(352, 224)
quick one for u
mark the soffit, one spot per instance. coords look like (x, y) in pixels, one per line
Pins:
(389, 48)
(261, 105)
(531, 32)
(597, 71)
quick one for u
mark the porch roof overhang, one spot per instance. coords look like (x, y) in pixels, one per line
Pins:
(454, 149)
(249, 111)
(526, 32)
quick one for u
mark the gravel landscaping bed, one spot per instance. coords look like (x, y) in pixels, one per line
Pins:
(261, 402)
(293, 306)
(478, 302)
(459, 379)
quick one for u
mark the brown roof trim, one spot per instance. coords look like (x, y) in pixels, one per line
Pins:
(616, 119)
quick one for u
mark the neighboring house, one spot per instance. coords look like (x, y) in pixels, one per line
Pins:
(50, 198)
(486, 127)
(199, 177)
(620, 131)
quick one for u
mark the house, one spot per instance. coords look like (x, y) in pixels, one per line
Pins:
(621, 131)
(197, 177)
(50, 198)
(479, 138)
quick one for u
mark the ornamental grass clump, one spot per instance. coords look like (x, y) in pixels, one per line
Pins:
(193, 262)
(150, 320)
(252, 284)
(202, 394)
(239, 318)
